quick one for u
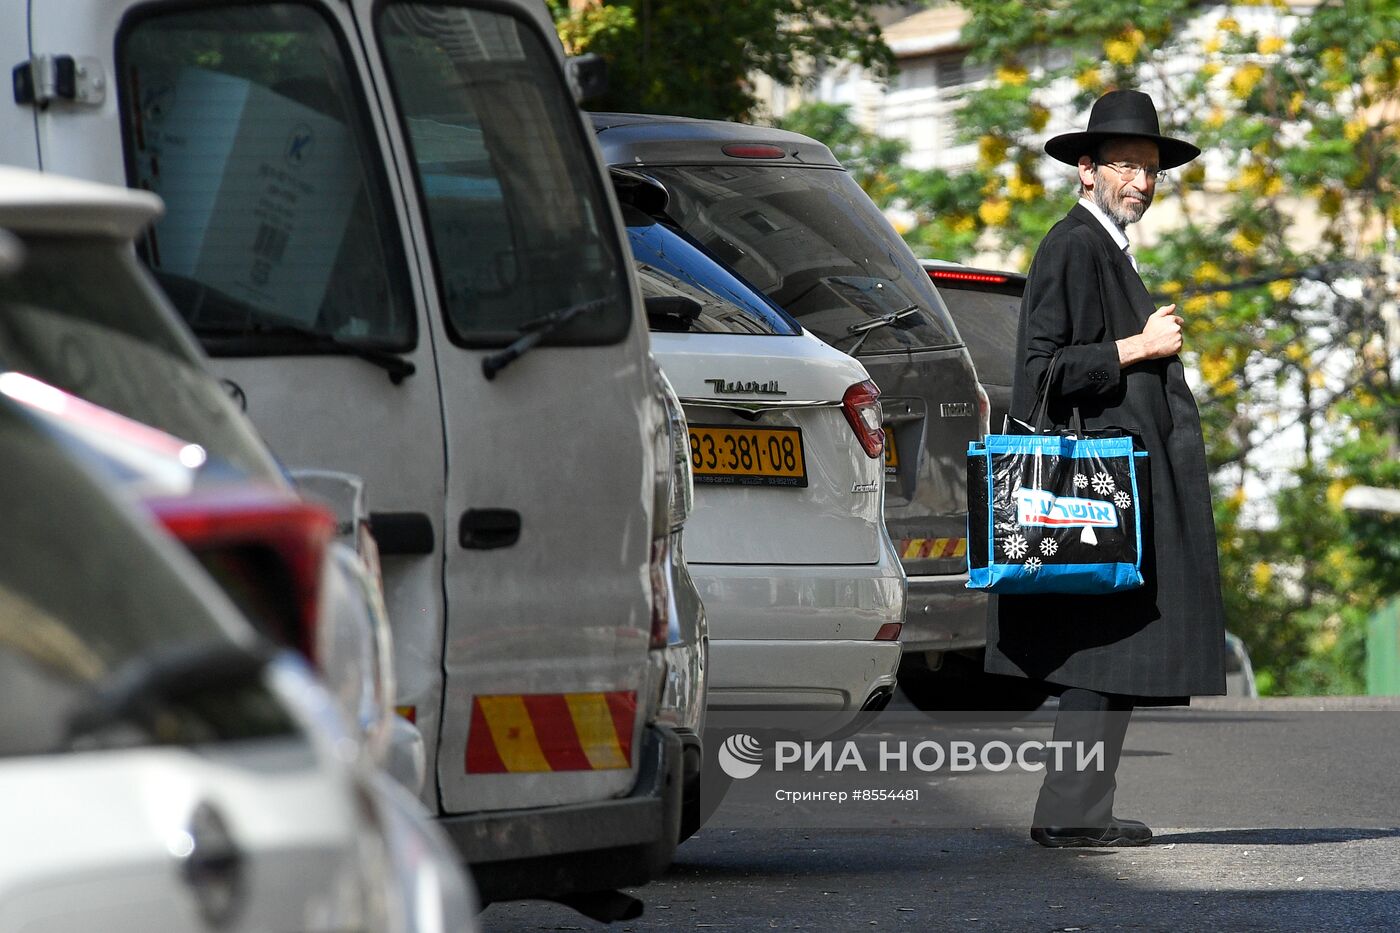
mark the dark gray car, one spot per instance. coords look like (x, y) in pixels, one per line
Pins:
(779, 209)
(986, 306)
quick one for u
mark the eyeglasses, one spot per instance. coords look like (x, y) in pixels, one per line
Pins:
(1127, 171)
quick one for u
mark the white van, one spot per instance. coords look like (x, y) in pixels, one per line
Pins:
(388, 227)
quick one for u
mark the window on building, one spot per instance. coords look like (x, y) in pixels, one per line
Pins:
(915, 73)
(956, 72)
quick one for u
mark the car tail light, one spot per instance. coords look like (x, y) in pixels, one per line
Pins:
(753, 151)
(861, 405)
(265, 549)
(889, 631)
(952, 276)
(682, 501)
(673, 498)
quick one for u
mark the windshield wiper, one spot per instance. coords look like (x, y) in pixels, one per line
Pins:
(142, 689)
(532, 332)
(865, 327)
(231, 337)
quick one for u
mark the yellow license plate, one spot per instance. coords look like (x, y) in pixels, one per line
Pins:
(891, 453)
(747, 456)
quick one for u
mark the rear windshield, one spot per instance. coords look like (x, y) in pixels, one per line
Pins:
(670, 265)
(93, 610)
(516, 207)
(816, 244)
(986, 316)
(82, 315)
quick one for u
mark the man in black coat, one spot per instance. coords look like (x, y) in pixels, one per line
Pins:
(1115, 360)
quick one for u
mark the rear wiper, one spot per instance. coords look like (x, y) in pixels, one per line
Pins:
(395, 365)
(143, 689)
(532, 332)
(865, 327)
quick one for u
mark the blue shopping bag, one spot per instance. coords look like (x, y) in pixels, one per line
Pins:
(1056, 513)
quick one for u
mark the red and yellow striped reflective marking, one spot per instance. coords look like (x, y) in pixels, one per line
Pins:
(531, 732)
(922, 548)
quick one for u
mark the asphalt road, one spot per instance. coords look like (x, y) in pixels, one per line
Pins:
(1270, 815)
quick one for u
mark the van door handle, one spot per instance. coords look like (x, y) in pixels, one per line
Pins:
(486, 529)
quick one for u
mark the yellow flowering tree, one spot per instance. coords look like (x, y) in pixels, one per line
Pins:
(1283, 261)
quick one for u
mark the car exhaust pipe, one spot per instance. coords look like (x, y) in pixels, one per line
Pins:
(604, 906)
(878, 699)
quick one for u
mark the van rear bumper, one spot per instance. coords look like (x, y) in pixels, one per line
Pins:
(549, 852)
(943, 615)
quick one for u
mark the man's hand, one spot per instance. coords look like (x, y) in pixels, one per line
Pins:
(1160, 337)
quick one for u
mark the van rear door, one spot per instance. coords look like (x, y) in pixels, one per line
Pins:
(547, 502)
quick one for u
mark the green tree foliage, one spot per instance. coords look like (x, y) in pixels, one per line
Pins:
(695, 57)
(1279, 263)
(874, 161)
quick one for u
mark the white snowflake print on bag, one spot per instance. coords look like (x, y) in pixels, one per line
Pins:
(1122, 499)
(1103, 484)
(1048, 546)
(1080, 481)
(1033, 564)
(1015, 547)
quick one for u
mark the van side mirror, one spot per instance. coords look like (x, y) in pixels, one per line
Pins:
(588, 76)
(671, 314)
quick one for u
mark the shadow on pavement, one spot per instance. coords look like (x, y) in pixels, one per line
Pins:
(1275, 837)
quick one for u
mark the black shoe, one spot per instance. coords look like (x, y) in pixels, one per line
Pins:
(1117, 833)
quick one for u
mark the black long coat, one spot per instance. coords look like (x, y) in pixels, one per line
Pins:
(1166, 639)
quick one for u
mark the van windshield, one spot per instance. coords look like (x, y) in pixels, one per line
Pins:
(278, 236)
(816, 244)
(519, 222)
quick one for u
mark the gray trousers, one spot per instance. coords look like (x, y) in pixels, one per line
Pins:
(1074, 797)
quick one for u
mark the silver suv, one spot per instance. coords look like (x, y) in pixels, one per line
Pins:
(779, 209)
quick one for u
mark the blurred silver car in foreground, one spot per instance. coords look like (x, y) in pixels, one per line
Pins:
(161, 766)
(74, 303)
(82, 315)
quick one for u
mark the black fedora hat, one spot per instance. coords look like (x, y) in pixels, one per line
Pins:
(1115, 115)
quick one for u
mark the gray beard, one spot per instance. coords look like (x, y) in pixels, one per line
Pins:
(1119, 214)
